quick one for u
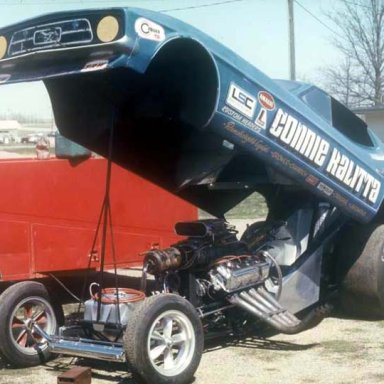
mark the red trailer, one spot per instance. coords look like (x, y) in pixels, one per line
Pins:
(49, 210)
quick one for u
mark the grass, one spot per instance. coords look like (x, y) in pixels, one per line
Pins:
(352, 331)
(253, 206)
(341, 346)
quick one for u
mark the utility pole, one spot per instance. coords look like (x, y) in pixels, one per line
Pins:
(292, 59)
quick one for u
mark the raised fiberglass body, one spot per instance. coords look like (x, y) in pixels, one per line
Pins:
(296, 130)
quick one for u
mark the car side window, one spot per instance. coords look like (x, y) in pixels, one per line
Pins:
(320, 102)
(350, 125)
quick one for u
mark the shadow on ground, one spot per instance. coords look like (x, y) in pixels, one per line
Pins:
(118, 373)
(255, 342)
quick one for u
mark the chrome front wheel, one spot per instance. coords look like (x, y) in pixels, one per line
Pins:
(164, 340)
(171, 343)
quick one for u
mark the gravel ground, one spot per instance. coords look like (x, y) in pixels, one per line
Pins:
(337, 351)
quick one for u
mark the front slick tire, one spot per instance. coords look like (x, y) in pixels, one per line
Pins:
(164, 340)
(23, 305)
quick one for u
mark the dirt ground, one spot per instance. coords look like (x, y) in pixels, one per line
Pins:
(337, 351)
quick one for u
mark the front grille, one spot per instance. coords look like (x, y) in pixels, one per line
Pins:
(54, 35)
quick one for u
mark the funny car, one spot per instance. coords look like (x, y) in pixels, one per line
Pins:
(169, 103)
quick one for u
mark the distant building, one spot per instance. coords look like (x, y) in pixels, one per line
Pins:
(374, 117)
(9, 126)
(9, 131)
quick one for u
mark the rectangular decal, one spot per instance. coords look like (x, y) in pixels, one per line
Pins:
(324, 188)
(241, 101)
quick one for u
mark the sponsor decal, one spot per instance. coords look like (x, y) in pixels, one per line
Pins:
(340, 199)
(312, 180)
(258, 145)
(227, 144)
(243, 136)
(4, 78)
(289, 164)
(240, 118)
(303, 140)
(266, 100)
(96, 65)
(149, 30)
(261, 119)
(325, 189)
(241, 101)
(357, 209)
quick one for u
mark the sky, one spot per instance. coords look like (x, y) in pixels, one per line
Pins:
(255, 29)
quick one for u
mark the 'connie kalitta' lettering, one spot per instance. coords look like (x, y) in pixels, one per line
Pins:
(299, 137)
(313, 147)
(355, 177)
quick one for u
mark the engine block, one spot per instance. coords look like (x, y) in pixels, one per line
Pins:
(234, 273)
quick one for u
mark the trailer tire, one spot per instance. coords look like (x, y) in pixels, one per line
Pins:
(21, 306)
(164, 340)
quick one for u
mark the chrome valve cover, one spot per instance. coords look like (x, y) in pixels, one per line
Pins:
(238, 272)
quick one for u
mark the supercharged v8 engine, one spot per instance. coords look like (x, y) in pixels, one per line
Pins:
(219, 261)
(209, 267)
(215, 271)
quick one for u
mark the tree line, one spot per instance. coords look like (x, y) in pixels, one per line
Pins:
(24, 119)
(358, 80)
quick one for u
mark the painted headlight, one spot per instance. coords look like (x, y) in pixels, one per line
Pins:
(3, 46)
(107, 29)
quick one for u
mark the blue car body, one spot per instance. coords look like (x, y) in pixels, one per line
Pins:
(242, 130)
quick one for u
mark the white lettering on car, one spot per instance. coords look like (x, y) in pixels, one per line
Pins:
(288, 130)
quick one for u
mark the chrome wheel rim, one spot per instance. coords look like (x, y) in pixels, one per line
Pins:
(27, 314)
(171, 343)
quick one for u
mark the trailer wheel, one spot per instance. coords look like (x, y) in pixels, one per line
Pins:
(164, 340)
(23, 305)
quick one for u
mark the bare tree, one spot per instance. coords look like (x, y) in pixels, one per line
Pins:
(338, 81)
(359, 80)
